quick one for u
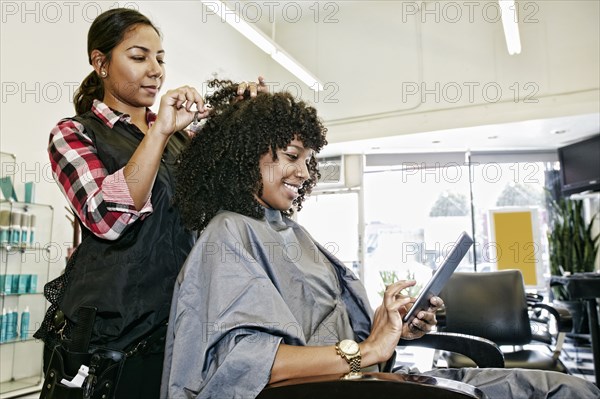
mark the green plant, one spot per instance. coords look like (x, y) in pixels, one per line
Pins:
(572, 247)
(389, 277)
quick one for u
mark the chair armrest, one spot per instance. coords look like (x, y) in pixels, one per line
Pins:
(482, 351)
(534, 298)
(370, 385)
(564, 320)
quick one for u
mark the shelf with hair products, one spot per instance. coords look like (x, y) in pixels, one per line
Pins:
(26, 255)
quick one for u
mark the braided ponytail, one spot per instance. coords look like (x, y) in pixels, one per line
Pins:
(91, 88)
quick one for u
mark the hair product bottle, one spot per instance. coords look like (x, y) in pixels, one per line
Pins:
(25, 323)
(4, 226)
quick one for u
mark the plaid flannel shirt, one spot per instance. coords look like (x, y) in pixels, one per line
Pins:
(102, 202)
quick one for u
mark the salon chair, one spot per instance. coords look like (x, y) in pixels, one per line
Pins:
(494, 305)
(483, 352)
(370, 385)
(541, 320)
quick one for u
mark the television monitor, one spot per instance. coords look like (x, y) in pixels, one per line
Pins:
(580, 166)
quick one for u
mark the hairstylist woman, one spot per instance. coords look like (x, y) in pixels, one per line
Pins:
(115, 164)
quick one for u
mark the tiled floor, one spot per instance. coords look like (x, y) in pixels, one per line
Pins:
(577, 357)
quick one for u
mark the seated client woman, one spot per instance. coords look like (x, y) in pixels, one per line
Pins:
(258, 299)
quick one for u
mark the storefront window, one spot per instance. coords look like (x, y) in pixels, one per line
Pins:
(414, 211)
(332, 219)
(504, 187)
(413, 215)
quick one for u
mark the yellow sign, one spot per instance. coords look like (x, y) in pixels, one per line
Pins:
(515, 244)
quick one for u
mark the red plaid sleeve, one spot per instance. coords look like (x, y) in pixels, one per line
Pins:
(101, 201)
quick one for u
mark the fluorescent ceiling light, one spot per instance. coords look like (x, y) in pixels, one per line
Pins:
(264, 43)
(229, 16)
(510, 25)
(294, 67)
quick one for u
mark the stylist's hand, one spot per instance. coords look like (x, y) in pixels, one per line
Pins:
(387, 324)
(177, 110)
(253, 87)
(423, 322)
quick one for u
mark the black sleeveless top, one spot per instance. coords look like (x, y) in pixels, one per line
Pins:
(129, 280)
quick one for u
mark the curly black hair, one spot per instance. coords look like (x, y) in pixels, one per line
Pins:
(219, 169)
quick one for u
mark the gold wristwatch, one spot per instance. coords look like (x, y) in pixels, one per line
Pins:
(350, 352)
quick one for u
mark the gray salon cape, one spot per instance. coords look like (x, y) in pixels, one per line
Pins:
(247, 286)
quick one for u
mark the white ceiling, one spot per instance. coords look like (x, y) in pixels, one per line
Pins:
(541, 134)
(369, 53)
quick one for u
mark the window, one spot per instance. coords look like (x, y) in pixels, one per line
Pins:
(416, 205)
(506, 186)
(332, 220)
(413, 215)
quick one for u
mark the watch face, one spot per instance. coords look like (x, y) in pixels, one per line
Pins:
(349, 347)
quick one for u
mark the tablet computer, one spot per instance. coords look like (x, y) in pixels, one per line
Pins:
(441, 275)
